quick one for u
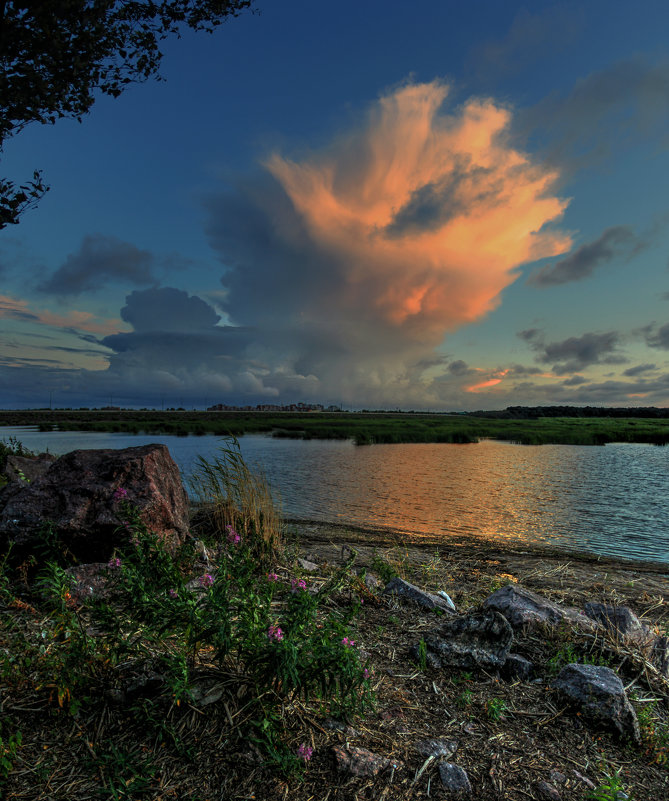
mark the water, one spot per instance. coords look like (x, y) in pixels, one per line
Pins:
(611, 500)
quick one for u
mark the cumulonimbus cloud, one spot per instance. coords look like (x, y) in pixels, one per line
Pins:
(423, 215)
(362, 256)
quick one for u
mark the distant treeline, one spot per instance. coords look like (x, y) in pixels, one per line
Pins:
(534, 412)
(365, 428)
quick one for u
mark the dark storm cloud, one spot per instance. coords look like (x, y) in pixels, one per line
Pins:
(658, 338)
(433, 205)
(575, 381)
(167, 309)
(615, 242)
(575, 353)
(521, 369)
(531, 35)
(639, 370)
(458, 367)
(101, 260)
(604, 110)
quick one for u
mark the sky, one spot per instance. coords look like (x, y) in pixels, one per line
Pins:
(432, 206)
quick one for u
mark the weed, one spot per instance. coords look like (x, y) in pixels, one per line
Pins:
(422, 655)
(496, 708)
(654, 730)
(465, 698)
(610, 789)
(8, 752)
(568, 654)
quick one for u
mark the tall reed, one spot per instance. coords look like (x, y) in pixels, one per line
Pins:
(230, 493)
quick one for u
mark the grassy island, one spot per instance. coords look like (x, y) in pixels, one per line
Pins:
(364, 428)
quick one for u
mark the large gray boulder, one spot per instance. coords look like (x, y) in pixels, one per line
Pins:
(481, 640)
(23, 470)
(81, 496)
(599, 694)
(525, 609)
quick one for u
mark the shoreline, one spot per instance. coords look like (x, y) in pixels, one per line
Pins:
(466, 563)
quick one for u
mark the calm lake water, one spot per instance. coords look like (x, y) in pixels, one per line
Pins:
(611, 500)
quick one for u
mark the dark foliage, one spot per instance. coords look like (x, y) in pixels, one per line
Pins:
(56, 56)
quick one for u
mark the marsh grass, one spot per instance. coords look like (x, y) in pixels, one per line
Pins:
(230, 493)
(363, 428)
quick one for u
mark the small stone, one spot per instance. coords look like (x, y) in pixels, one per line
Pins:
(455, 780)
(436, 748)
(525, 609)
(305, 564)
(547, 791)
(448, 599)
(479, 640)
(599, 693)
(619, 620)
(584, 780)
(516, 668)
(557, 777)
(360, 761)
(410, 592)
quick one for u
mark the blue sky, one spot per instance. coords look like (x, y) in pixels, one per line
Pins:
(444, 205)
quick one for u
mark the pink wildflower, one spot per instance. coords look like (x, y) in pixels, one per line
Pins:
(115, 562)
(347, 642)
(172, 593)
(120, 494)
(233, 537)
(207, 580)
(365, 673)
(275, 633)
(272, 577)
(298, 584)
(304, 752)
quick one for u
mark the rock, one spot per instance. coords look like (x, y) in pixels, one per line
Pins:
(455, 780)
(144, 687)
(479, 640)
(448, 599)
(516, 668)
(206, 691)
(399, 587)
(75, 495)
(619, 620)
(360, 761)
(525, 609)
(338, 725)
(557, 777)
(600, 695)
(584, 780)
(305, 564)
(23, 470)
(436, 748)
(547, 791)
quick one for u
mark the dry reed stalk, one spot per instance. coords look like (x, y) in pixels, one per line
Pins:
(230, 493)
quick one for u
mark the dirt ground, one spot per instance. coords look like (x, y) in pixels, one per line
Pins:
(510, 736)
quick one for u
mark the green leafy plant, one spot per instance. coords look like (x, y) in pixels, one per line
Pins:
(8, 751)
(609, 789)
(496, 708)
(422, 654)
(654, 730)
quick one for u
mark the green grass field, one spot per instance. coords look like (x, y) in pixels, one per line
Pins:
(363, 428)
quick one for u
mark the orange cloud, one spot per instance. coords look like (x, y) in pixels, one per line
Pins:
(427, 214)
(490, 382)
(83, 321)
